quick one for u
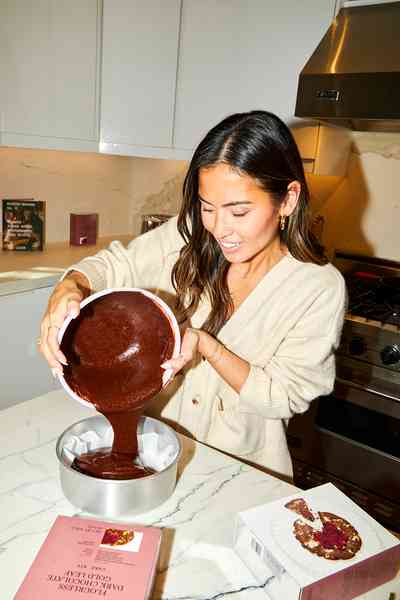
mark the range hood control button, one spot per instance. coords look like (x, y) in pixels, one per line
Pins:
(390, 355)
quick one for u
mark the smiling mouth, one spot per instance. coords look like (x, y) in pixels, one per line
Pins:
(229, 245)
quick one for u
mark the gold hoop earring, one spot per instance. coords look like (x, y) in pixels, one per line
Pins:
(282, 222)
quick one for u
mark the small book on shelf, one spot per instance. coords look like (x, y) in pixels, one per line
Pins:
(86, 558)
(23, 224)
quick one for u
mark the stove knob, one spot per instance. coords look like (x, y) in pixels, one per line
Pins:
(390, 354)
(357, 346)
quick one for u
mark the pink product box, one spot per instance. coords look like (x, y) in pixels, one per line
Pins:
(316, 545)
(86, 558)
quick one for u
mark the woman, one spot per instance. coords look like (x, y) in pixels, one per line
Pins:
(260, 304)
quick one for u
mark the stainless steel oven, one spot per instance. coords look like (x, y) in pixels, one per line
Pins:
(352, 436)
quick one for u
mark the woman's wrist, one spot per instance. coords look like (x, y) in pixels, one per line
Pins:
(210, 348)
(80, 280)
(233, 369)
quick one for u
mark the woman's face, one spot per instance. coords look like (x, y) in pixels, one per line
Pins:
(237, 212)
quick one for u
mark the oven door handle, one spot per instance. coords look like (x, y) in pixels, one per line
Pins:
(366, 388)
(382, 401)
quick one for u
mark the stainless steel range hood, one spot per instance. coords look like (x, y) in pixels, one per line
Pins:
(353, 77)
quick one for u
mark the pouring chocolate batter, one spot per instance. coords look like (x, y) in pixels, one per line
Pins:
(114, 349)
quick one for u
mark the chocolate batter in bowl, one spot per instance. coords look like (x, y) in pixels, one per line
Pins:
(114, 350)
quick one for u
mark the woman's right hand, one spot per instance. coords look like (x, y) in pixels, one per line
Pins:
(64, 302)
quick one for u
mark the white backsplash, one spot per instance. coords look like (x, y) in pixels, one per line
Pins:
(361, 211)
(156, 188)
(363, 214)
(116, 187)
(69, 182)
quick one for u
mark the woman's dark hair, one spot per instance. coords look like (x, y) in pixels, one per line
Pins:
(260, 145)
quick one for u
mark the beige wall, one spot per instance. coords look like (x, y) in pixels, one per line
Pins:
(362, 215)
(115, 187)
(361, 210)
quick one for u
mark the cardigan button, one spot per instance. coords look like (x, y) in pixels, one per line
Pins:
(195, 401)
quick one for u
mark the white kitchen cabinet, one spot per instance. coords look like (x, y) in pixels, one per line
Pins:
(139, 65)
(49, 73)
(24, 373)
(237, 56)
(169, 71)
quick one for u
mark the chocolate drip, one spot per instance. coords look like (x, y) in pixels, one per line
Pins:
(117, 463)
(114, 351)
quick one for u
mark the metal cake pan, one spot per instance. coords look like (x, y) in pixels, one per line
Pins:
(115, 498)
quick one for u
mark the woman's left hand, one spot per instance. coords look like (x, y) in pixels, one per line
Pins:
(189, 349)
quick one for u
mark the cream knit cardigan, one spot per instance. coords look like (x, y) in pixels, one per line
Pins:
(287, 329)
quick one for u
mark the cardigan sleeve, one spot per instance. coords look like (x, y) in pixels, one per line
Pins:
(303, 367)
(140, 264)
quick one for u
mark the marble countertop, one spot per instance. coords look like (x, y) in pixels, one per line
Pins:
(57, 255)
(197, 560)
(25, 285)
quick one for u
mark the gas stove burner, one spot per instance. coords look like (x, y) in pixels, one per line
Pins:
(374, 297)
